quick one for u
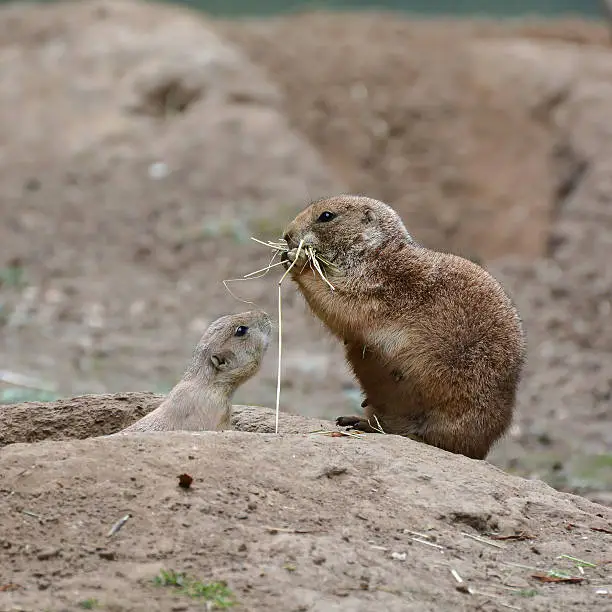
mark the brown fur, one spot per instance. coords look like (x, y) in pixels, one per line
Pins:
(221, 363)
(433, 339)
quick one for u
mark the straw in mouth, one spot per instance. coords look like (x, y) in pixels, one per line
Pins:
(314, 261)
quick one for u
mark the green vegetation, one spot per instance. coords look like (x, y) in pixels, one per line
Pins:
(165, 387)
(89, 604)
(465, 8)
(241, 230)
(16, 395)
(527, 593)
(578, 473)
(593, 469)
(234, 229)
(216, 594)
(12, 276)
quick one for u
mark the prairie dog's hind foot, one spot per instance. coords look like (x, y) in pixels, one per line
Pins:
(370, 426)
(347, 421)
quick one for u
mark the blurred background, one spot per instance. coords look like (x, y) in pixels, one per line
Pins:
(142, 144)
(470, 8)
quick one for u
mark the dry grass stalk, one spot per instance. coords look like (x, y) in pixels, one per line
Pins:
(336, 434)
(427, 543)
(456, 576)
(418, 534)
(280, 335)
(118, 525)
(378, 426)
(280, 247)
(579, 562)
(482, 540)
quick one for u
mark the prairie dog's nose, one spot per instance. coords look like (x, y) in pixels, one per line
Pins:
(265, 321)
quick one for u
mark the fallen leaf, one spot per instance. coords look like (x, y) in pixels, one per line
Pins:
(185, 481)
(564, 579)
(11, 586)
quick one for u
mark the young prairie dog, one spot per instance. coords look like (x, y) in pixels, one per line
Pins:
(228, 354)
(432, 338)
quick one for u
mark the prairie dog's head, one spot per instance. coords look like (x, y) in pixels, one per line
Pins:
(232, 348)
(344, 227)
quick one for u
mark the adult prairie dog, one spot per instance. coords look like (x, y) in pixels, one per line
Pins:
(433, 339)
(228, 354)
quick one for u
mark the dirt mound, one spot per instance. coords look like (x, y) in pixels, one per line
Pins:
(314, 523)
(87, 416)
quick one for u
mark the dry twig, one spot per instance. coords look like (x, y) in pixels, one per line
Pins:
(118, 525)
(482, 540)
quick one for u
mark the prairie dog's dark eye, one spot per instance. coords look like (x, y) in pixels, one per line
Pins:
(241, 330)
(326, 216)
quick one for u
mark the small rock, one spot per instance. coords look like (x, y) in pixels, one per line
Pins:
(185, 481)
(33, 184)
(158, 170)
(109, 555)
(48, 553)
(398, 556)
(332, 470)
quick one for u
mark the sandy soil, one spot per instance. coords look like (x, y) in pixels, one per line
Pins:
(309, 522)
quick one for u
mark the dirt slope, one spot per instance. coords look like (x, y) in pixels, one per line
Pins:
(398, 109)
(308, 522)
(566, 298)
(87, 416)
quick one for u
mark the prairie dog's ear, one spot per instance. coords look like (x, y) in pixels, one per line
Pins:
(369, 216)
(220, 361)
